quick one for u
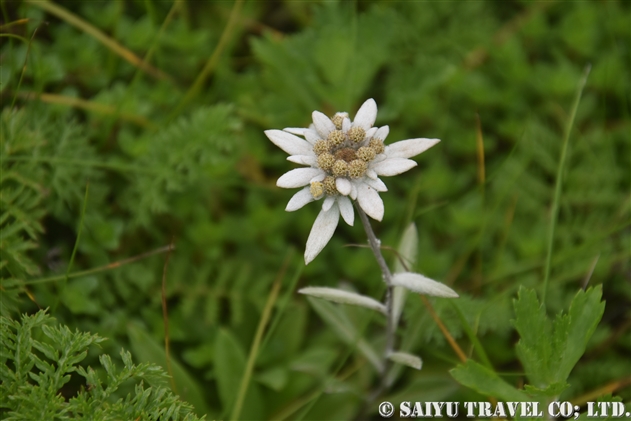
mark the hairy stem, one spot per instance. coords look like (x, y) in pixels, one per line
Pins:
(375, 246)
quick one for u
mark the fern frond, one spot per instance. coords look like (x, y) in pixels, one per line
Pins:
(33, 373)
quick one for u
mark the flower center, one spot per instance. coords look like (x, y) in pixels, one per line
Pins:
(343, 154)
(346, 154)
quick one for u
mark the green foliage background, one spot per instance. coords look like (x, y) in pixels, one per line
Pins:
(175, 153)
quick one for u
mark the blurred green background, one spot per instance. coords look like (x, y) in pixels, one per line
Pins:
(160, 107)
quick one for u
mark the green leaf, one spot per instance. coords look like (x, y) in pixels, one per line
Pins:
(78, 297)
(548, 349)
(344, 328)
(433, 387)
(230, 360)
(487, 382)
(545, 395)
(147, 349)
(275, 378)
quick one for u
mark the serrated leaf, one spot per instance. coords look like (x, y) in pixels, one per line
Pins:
(486, 382)
(551, 392)
(106, 362)
(47, 349)
(422, 285)
(344, 297)
(547, 349)
(407, 359)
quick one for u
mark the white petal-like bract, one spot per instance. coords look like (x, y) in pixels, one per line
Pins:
(312, 136)
(321, 232)
(353, 191)
(382, 133)
(344, 297)
(376, 184)
(295, 130)
(343, 186)
(328, 202)
(322, 124)
(370, 173)
(366, 114)
(319, 177)
(422, 285)
(409, 148)
(370, 201)
(298, 177)
(346, 209)
(299, 199)
(346, 124)
(291, 144)
(390, 167)
(310, 160)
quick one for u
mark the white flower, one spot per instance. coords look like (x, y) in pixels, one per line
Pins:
(344, 161)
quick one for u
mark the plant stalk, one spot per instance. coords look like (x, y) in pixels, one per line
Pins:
(375, 246)
(559, 182)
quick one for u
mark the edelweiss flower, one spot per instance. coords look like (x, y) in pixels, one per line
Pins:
(345, 160)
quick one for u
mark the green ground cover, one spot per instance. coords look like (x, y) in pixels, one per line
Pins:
(139, 203)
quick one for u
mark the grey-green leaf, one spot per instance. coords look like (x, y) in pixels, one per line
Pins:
(422, 285)
(407, 359)
(345, 329)
(408, 249)
(344, 297)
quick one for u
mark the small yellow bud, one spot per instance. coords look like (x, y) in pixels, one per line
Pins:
(356, 134)
(340, 168)
(366, 153)
(377, 145)
(357, 168)
(336, 137)
(321, 146)
(329, 186)
(326, 161)
(316, 189)
(338, 118)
